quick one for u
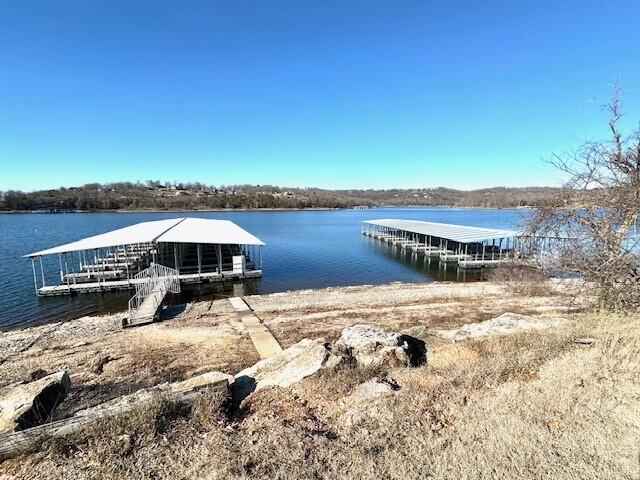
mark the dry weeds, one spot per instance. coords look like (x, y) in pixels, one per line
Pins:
(531, 405)
(522, 280)
(325, 313)
(205, 336)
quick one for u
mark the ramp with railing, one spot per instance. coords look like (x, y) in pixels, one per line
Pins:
(152, 285)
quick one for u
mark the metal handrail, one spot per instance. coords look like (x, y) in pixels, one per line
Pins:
(486, 257)
(151, 280)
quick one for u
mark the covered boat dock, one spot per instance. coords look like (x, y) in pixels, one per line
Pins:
(154, 258)
(469, 247)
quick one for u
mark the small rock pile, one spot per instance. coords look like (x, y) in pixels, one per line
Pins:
(372, 346)
(33, 403)
(361, 345)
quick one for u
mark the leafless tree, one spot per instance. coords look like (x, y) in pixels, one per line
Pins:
(598, 211)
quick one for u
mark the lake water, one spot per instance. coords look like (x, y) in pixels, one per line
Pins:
(305, 249)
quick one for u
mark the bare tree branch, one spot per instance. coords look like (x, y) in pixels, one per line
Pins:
(599, 211)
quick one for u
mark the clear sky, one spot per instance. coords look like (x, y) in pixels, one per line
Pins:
(337, 94)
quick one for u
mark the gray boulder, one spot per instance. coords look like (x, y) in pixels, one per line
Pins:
(33, 403)
(285, 368)
(368, 401)
(371, 346)
(504, 324)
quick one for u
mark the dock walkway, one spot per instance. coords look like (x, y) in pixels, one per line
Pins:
(148, 310)
(262, 338)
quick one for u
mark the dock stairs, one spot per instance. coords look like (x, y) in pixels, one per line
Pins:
(152, 286)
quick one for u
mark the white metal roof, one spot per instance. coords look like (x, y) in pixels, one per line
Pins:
(205, 230)
(187, 230)
(457, 233)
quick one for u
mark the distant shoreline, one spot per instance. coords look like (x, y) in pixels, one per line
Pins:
(169, 210)
(205, 210)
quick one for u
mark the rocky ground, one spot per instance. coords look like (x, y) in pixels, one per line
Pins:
(104, 361)
(501, 396)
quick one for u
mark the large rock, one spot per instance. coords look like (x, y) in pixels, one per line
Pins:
(204, 380)
(368, 401)
(175, 392)
(33, 403)
(285, 368)
(505, 323)
(370, 346)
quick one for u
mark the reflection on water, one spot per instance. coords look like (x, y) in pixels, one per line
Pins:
(419, 262)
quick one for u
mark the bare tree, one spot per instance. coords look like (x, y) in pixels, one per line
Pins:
(598, 211)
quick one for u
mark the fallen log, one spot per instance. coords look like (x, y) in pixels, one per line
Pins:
(25, 441)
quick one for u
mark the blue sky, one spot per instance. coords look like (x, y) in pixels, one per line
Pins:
(341, 94)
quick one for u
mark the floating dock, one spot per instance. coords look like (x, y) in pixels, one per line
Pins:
(154, 258)
(130, 284)
(468, 247)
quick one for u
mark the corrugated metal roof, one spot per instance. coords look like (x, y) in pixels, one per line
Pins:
(457, 233)
(205, 230)
(187, 230)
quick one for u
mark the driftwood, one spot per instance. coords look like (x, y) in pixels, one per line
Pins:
(16, 443)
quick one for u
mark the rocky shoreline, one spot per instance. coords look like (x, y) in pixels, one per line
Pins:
(372, 377)
(105, 361)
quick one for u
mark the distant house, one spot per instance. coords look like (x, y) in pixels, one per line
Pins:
(284, 195)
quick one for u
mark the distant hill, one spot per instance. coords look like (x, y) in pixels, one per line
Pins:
(193, 196)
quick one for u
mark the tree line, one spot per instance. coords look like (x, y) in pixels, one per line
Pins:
(154, 194)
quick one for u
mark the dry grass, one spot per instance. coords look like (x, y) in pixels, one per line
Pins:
(206, 336)
(534, 405)
(324, 313)
(522, 280)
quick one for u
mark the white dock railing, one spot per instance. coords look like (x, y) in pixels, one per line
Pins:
(486, 257)
(152, 284)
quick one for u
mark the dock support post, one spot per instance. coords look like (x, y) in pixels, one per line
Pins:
(199, 249)
(126, 261)
(35, 278)
(175, 258)
(220, 259)
(44, 283)
(60, 263)
(104, 266)
(66, 267)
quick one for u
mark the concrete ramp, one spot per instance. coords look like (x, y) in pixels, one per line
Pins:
(262, 338)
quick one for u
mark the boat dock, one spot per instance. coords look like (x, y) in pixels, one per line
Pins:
(468, 247)
(153, 258)
(130, 284)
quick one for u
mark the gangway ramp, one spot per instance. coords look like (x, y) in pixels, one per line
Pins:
(154, 284)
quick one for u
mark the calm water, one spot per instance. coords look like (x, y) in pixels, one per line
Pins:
(305, 249)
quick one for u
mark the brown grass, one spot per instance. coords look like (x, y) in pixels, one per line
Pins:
(204, 339)
(324, 313)
(522, 280)
(533, 405)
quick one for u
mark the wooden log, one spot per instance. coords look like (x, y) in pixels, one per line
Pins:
(25, 441)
